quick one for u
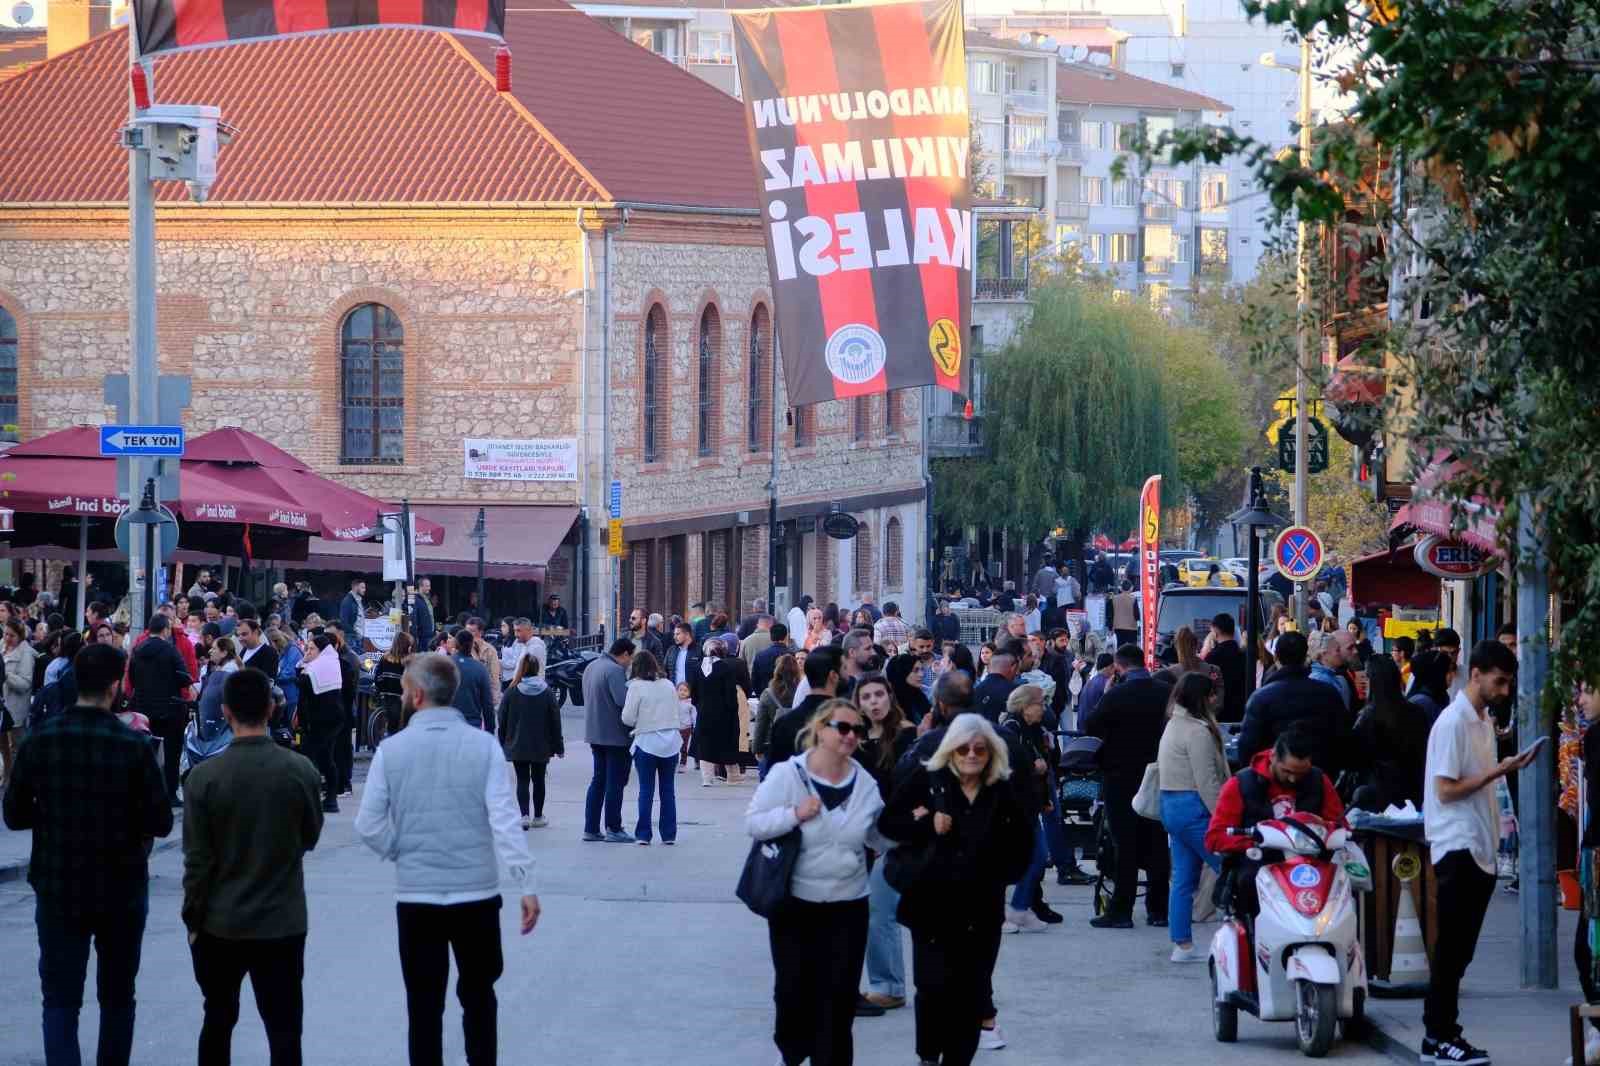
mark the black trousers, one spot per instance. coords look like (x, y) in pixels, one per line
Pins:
(276, 969)
(1464, 894)
(1585, 964)
(531, 773)
(320, 738)
(817, 952)
(951, 969)
(344, 753)
(428, 935)
(1141, 845)
(1127, 636)
(170, 730)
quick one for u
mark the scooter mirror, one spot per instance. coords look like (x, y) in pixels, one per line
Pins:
(1253, 854)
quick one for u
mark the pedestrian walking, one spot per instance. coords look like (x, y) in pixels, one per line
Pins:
(1463, 829)
(530, 732)
(19, 661)
(1393, 733)
(960, 814)
(1129, 723)
(438, 804)
(1292, 697)
(250, 816)
(160, 682)
(1022, 726)
(1228, 658)
(605, 690)
(1193, 768)
(651, 711)
(1583, 954)
(89, 788)
(889, 737)
(775, 701)
(819, 938)
(821, 674)
(321, 713)
(474, 697)
(724, 687)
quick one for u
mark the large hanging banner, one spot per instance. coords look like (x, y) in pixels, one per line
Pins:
(175, 25)
(1149, 563)
(859, 130)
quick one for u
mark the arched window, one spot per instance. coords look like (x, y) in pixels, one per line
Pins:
(863, 558)
(893, 555)
(760, 346)
(655, 330)
(9, 407)
(709, 350)
(372, 386)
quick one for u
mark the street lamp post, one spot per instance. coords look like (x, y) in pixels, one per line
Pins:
(480, 539)
(1302, 285)
(1255, 516)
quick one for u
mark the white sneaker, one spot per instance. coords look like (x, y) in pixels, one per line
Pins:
(1188, 954)
(1009, 926)
(991, 1039)
(1025, 921)
(707, 782)
(526, 821)
(1591, 1047)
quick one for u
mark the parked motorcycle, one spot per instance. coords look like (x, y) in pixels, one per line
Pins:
(1300, 958)
(564, 674)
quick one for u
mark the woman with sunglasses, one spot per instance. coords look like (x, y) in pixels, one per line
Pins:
(819, 939)
(961, 806)
(889, 736)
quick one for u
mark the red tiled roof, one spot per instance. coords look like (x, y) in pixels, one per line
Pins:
(1080, 84)
(648, 130)
(380, 116)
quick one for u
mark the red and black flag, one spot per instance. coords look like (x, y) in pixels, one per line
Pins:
(173, 25)
(858, 125)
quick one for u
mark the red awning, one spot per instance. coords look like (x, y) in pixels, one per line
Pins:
(1430, 511)
(521, 540)
(1392, 579)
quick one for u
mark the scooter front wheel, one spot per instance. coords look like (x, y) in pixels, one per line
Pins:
(1224, 1016)
(1316, 1013)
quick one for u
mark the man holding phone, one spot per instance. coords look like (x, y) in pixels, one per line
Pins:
(1463, 830)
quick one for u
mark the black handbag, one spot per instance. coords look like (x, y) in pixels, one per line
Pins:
(764, 883)
(906, 867)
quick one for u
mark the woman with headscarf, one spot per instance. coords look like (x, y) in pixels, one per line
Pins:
(723, 687)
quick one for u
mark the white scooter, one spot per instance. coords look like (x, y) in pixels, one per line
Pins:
(1305, 961)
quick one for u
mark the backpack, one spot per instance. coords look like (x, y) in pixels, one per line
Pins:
(53, 699)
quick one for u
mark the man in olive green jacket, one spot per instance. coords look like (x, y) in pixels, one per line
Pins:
(251, 814)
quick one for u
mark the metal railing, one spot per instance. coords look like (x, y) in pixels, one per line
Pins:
(1030, 159)
(1002, 289)
(1071, 209)
(1159, 265)
(1159, 212)
(1025, 100)
(1071, 150)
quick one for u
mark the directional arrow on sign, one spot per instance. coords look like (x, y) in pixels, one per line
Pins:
(141, 440)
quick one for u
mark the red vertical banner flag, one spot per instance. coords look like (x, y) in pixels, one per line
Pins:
(858, 125)
(1149, 563)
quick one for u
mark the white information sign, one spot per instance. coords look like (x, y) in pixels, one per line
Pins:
(498, 459)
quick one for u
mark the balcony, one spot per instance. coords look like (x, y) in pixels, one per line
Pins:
(1071, 149)
(1021, 100)
(951, 436)
(1212, 269)
(1071, 209)
(1214, 208)
(1027, 160)
(1002, 289)
(1158, 266)
(1158, 211)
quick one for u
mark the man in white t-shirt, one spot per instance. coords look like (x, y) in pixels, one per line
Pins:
(1463, 829)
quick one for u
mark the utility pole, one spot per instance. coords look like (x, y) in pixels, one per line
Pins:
(1536, 855)
(143, 369)
(1302, 325)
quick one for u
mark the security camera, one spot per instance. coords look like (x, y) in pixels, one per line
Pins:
(198, 191)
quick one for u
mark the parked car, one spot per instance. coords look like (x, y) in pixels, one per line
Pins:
(1181, 605)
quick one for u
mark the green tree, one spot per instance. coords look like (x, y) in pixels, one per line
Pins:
(1496, 106)
(1075, 413)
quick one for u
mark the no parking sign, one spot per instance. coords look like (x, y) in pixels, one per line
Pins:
(1297, 553)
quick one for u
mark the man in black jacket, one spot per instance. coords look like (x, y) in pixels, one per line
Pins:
(1129, 722)
(766, 660)
(1293, 696)
(88, 787)
(682, 661)
(990, 695)
(823, 674)
(159, 679)
(255, 650)
(1229, 658)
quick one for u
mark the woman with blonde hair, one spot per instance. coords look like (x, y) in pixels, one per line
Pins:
(819, 938)
(1187, 645)
(960, 806)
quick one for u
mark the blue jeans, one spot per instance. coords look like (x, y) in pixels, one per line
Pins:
(653, 769)
(886, 959)
(1022, 895)
(1185, 816)
(610, 778)
(63, 966)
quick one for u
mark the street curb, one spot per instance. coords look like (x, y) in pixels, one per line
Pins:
(18, 871)
(1385, 1044)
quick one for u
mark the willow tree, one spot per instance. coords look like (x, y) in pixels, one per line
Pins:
(1076, 416)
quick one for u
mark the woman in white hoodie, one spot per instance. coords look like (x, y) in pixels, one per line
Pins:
(819, 939)
(651, 710)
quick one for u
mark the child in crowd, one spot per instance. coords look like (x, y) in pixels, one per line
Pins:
(686, 720)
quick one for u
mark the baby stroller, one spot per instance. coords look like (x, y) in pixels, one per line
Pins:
(1078, 790)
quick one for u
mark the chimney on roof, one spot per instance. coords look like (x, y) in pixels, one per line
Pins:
(74, 22)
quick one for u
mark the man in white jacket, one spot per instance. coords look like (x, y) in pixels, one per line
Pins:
(438, 803)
